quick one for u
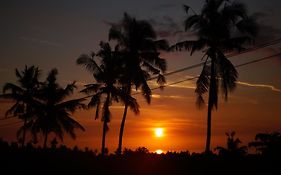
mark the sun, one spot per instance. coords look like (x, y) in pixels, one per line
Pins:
(159, 151)
(159, 132)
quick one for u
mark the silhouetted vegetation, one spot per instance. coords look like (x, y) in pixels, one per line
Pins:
(42, 105)
(233, 149)
(60, 159)
(107, 89)
(23, 94)
(138, 43)
(52, 112)
(221, 27)
(268, 144)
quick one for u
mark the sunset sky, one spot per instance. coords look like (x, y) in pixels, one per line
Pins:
(52, 34)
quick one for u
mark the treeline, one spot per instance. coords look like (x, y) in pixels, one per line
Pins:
(230, 160)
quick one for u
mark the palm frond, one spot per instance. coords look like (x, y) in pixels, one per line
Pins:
(161, 80)
(95, 99)
(235, 43)
(89, 63)
(13, 88)
(16, 109)
(192, 21)
(190, 45)
(150, 68)
(202, 85)
(186, 8)
(234, 11)
(162, 45)
(116, 34)
(91, 88)
(12, 96)
(146, 91)
(52, 76)
(248, 26)
(228, 74)
(71, 105)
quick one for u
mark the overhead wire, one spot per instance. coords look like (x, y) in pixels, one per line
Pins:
(194, 66)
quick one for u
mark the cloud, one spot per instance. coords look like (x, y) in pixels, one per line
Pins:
(168, 96)
(39, 41)
(259, 86)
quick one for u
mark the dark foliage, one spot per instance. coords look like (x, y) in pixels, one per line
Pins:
(63, 160)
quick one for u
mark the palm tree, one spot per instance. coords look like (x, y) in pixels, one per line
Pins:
(23, 94)
(137, 41)
(106, 73)
(53, 111)
(233, 148)
(223, 26)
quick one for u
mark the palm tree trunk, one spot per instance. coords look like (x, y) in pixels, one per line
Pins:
(24, 132)
(209, 117)
(105, 120)
(45, 140)
(103, 138)
(210, 107)
(119, 150)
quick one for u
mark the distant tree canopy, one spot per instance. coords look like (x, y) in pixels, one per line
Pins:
(267, 143)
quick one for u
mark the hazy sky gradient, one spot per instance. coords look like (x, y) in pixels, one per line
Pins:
(54, 33)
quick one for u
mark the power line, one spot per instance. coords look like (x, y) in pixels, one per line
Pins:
(192, 78)
(258, 60)
(273, 42)
(198, 65)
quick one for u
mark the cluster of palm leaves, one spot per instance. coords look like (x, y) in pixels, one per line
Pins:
(133, 61)
(42, 106)
(222, 26)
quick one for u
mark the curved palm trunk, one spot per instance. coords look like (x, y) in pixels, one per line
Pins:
(119, 150)
(105, 120)
(103, 138)
(45, 141)
(209, 119)
(24, 133)
(210, 106)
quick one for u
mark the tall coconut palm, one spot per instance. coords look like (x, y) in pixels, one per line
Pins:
(222, 26)
(106, 72)
(53, 111)
(22, 94)
(137, 40)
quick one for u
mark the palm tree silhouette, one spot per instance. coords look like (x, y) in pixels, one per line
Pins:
(23, 95)
(53, 111)
(106, 88)
(223, 26)
(137, 41)
(233, 148)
